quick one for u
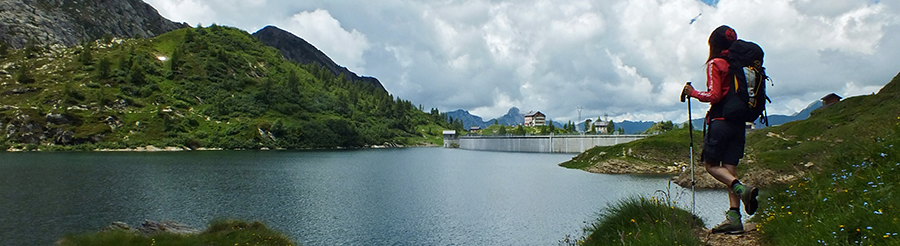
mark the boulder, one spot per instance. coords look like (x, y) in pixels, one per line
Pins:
(58, 119)
(31, 133)
(65, 137)
(151, 227)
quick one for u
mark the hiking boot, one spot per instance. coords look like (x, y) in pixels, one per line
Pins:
(731, 225)
(748, 196)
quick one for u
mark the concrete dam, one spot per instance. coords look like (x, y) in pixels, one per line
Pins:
(541, 143)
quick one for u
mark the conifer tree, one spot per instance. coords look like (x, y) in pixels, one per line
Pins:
(31, 49)
(23, 74)
(136, 74)
(103, 68)
(85, 56)
(4, 49)
(611, 127)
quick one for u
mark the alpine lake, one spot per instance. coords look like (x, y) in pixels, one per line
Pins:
(399, 196)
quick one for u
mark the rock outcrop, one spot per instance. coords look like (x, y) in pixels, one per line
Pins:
(151, 227)
(27, 126)
(296, 49)
(68, 23)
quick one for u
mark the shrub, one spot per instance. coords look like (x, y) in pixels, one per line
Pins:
(643, 221)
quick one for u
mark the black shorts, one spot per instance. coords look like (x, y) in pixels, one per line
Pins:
(724, 142)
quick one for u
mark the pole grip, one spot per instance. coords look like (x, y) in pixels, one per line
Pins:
(682, 93)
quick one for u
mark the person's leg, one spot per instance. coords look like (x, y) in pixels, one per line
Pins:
(717, 143)
(721, 173)
(733, 198)
(726, 174)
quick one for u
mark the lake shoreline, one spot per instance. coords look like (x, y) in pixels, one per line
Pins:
(152, 148)
(681, 174)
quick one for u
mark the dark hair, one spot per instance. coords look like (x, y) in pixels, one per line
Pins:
(714, 52)
(719, 40)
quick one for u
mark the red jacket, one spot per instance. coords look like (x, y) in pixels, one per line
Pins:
(716, 71)
(717, 87)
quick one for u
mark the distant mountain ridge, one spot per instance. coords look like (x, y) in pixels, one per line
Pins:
(297, 49)
(775, 119)
(511, 118)
(68, 23)
(515, 117)
(468, 119)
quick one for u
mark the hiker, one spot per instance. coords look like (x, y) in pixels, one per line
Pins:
(723, 143)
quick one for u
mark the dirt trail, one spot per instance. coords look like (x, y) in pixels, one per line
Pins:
(749, 238)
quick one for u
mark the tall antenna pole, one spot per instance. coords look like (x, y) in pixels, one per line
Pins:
(579, 108)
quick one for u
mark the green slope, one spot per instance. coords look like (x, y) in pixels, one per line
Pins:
(662, 149)
(217, 87)
(850, 126)
(848, 155)
(849, 195)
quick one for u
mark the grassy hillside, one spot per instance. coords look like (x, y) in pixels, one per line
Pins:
(215, 87)
(848, 155)
(849, 127)
(662, 149)
(849, 196)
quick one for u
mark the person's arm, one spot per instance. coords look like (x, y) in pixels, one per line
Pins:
(716, 71)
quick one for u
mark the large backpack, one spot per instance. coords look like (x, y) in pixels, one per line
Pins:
(746, 99)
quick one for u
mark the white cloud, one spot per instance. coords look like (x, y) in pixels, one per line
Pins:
(192, 12)
(321, 29)
(625, 58)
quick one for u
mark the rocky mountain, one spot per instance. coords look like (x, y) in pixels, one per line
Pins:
(297, 49)
(67, 23)
(468, 119)
(511, 118)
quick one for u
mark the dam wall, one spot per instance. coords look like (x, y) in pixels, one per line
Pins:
(543, 143)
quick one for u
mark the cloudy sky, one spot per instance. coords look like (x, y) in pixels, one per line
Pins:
(626, 59)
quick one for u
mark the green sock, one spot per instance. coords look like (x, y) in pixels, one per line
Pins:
(737, 187)
(734, 215)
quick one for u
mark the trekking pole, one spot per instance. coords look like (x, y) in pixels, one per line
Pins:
(691, 133)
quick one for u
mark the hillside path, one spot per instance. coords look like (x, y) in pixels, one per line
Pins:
(750, 237)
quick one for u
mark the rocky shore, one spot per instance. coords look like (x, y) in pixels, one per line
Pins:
(681, 173)
(151, 227)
